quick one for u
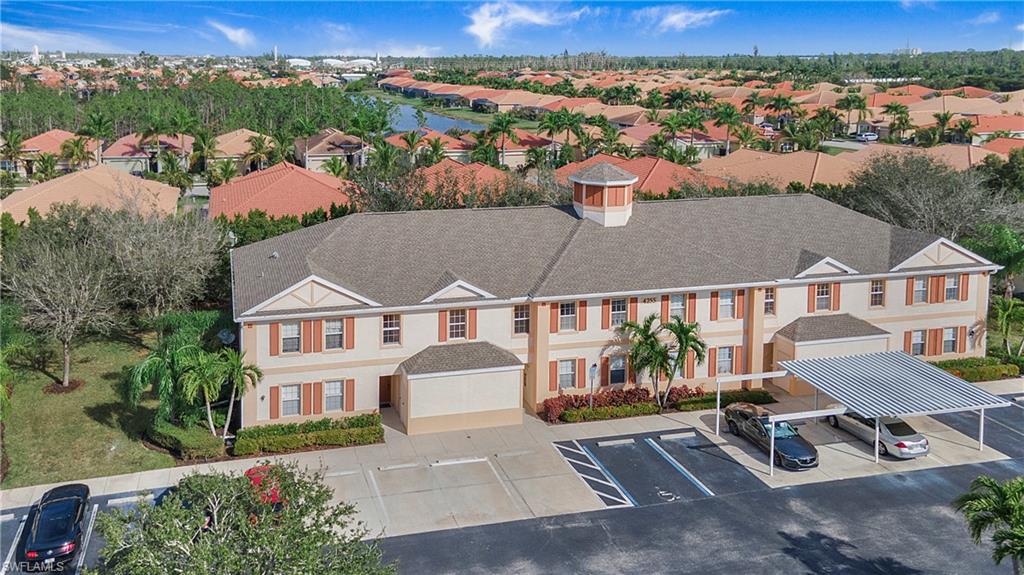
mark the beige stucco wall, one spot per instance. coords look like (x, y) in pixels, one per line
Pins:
(787, 350)
(465, 393)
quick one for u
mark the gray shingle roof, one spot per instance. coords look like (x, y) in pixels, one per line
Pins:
(603, 172)
(399, 258)
(821, 327)
(459, 357)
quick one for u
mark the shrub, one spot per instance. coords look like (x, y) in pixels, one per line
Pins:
(608, 412)
(968, 362)
(555, 406)
(985, 372)
(357, 430)
(187, 442)
(681, 392)
(707, 401)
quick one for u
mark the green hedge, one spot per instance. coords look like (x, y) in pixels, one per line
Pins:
(186, 442)
(356, 430)
(608, 412)
(986, 372)
(966, 362)
(707, 401)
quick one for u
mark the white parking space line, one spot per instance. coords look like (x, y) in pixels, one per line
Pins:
(377, 496)
(341, 473)
(679, 467)
(14, 545)
(513, 453)
(608, 474)
(85, 540)
(459, 461)
(6, 517)
(398, 466)
(680, 435)
(614, 442)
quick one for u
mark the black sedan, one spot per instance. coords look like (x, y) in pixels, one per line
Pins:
(54, 533)
(791, 451)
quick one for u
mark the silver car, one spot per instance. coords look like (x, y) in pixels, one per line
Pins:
(895, 436)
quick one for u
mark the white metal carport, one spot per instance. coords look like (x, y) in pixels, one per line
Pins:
(876, 385)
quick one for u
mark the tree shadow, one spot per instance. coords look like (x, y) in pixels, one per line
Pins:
(821, 553)
(132, 420)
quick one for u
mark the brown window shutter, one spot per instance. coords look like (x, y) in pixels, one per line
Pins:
(318, 397)
(581, 315)
(275, 402)
(737, 359)
(691, 365)
(712, 361)
(554, 317)
(965, 281)
(471, 318)
(910, 291)
(552, 376)
(714, 306)
(664, 309)
(940, 289)
(961, 339)
(632, 308)
(581, 373)
(835, 296)
(691, 307)
(810, 297)
(350, 332)
(935, 341)
(275, 339)
(739, 308)
(933, 292)
(442, 326)
(908, 341)
(307, 336)
(318, 335)
(350, 395)
(606, 314)
(606, 371)
(307, 398)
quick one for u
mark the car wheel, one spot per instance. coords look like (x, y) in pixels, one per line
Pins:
(882, 449)
(833, 421)
(733, 429)
(778, 460)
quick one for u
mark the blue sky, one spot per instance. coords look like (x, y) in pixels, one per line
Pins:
(431, 28)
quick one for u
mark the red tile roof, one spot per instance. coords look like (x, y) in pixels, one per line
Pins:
(988, 124)
(1004, 145)
(129, 147)
(475, 173)
(655, 175)
(427, 134)
(50, 142)
(280, 190)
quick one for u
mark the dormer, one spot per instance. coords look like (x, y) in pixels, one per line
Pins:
(603, 193)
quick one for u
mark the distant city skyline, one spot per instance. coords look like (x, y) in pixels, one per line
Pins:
(192, 28)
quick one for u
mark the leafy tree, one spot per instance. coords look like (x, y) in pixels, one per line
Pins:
(671, 125)
(259, 151)
(240, 376)
(647, 354)
(728, 116)
(220, 524)
(98, 126)
(412, 140)
(1006, 175)
(161, 371)
(14, 144)
(1004, 246)
(433, 153)
(693, 120)
(304, 128)
(752, 102)
(998, 507)
(421, 119)
(76, 152)
(221, 172)
(335, 166)
(204, 149)
(45, 168)
(182, 122)
(203, 376)
(171, 172)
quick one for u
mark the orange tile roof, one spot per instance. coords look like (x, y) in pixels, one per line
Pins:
(427, 134)
(477, 173)
(780, 169)
(988, 124)
(329, 141)
(969, 92)
(280, 190)
(654, 175)
(49, 142)
(235, 143)
(129, 146)
(1004, 145)
(569, 103)
(101, 185)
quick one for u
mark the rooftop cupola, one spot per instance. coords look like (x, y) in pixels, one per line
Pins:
(603, 193)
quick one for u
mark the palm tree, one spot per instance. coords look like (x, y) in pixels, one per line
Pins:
(336, 167)
(851, 103)
(412, 140)
(433, 153)
(752, 102)
(704, 99)
(153, 126)
(900, 124)
(283, 147)
(13, 147)
(305, 129)
(781, 105)
(221, 172)
(680, 98)
(587, 144)
(384, 158)
(76, 151)
(172, 173)
(686, 338)
(611, 140)
(536, 158)
(99, 127)
(999, 508)
(895, 109)
(259, 152)
(727, 115)
(687, 156)
(204, 376)
(502, 127)
(240, 376)
(653, 114)
(693, 120)
(829, 120)
(573, 122)
(964, 130)
(182, 122)
(161, 370)
(647, 354)
(553, 123)
(204, 149)
(943, 119)
(654, 144)
(671, 125)
(45, 168)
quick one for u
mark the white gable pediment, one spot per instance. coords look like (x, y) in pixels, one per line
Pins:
(827, 266)
(458, 289)
(312, 293)
(942, 252)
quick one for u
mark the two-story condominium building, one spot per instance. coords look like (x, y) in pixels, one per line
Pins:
(463, 318)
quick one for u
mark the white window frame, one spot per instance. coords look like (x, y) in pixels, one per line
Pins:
(338, 332)
(458, 328)
(724, 351)
(566, 373)
(822, 294)
(567, 316)
(619, 360)
(287, 400)
(329, 397)
(521, 314)
(880, 292)
(727, 301)
(286, 337)
(769, 301)
(920, 289)
(616, 315)
(391, 330)
(952, 287)
(918, 342)
(677, 306)
(949, 339)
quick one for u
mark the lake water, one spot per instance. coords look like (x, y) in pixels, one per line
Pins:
(405, 120)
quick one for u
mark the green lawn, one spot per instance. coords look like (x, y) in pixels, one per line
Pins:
(834, 151)
(86, 433)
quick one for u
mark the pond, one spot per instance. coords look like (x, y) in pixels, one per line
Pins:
(405, 120)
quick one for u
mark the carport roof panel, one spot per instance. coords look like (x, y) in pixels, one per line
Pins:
(891, 383)
(456, 357)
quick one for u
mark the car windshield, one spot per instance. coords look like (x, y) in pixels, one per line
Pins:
(55, 520)
(783, 430)
(899, 428)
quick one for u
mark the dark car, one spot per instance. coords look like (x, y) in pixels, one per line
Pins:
(54, 533)
(751, 421)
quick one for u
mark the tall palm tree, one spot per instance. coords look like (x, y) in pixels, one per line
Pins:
(895, 109)
(999, 508)
(693, 120)
(552, 124)
(746, 136)
(536, 158)
(153, 126)
(14, 144)
(434, 152)
(384, 157)
(752, 102)
(240, 377)
(572, 124)
(305, 128)
(283, 146)
(704, 99)
(204, 149)
(654, 144)
(336, 167)
(685, 339)
(611, 140)
(943, 119)
(829, 120)
(900, 124)
(76, 152)
(964, 130)
(171, 172)
(728, 116)
(502, 128)
(98, 126)
(182, 122)
(221, 172)
(647, 354)
(259, 152)
(781, 105)
(204, 377)
(412, 140)
(45, 168)
(671, 125)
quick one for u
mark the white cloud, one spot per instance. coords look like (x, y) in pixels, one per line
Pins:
(910, 4)
(489, 22)
(1020, 27)
(678, 18)
(240, 37)
(347, 41)
(14, 37)
(990, 17)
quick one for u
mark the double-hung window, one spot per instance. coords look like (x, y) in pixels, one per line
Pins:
(952, 287)
(521, 319)
(677, 306)
(334, 334)
(567, 316)
(334, 395)
(769, 301)
(823, 297)
(949, 342)
(291, 403)
(917, 339)
(920, 290)
(457, 324)
(726, 304)
(566, 373)
(618, 312)
(617, 369)
(724, 359)
(291, 340)
(391, 329)
(877, 293)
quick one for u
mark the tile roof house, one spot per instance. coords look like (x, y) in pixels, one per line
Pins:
(234, 146)
(50, 142)
(1003, 145)
(129, 154)
(985, 126)
(753, 166)
(654, 175)
(100, 185)
(329, 143)
(473, 174)
(281, 190)
(454, 148)
(460, 319)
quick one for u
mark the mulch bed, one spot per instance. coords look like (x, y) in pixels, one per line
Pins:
(178, 462)
(56, 388)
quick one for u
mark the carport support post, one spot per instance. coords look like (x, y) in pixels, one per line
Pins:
(981, 430)
(771, 451)
(877, 419)
(718, 406)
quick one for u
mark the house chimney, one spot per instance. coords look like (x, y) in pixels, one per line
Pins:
(603, 193)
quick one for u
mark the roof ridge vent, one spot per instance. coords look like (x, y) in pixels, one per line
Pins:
(274, 255)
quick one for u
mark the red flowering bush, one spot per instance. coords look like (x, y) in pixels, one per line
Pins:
(681, 392)
(554, 407)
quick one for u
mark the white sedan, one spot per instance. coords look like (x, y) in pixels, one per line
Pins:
(895, 436)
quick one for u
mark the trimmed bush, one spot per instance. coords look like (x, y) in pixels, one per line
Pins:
(985, 372)
(187, 442)
(608, 412)
(707, 401)
(554, 406)
(966, 362)
(357, 430)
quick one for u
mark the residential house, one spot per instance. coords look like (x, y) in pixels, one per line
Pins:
(234, 146)
(281, 190)
(329, 143)
(1003, 145)
(655, 176)
(50, 142)
(986, 126)
(754, 166)
(130, 154)
(454, 148)
(450, 173)
(462, 318)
